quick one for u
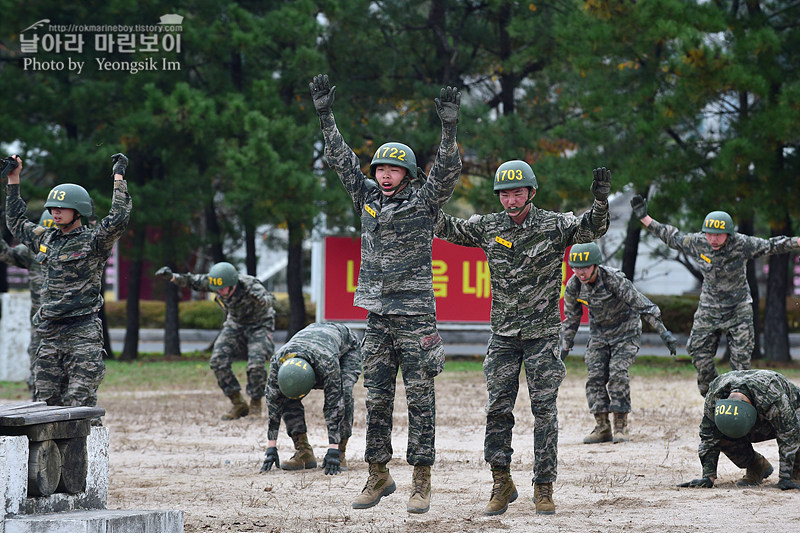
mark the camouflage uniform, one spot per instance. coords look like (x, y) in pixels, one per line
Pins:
(525, 262)
(21, 257)
(395, 284)
(334, 352)
(69, 364)
(777, 402)
(725, 301)
(615, 305)
(248, 327)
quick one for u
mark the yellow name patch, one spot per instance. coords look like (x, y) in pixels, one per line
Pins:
(370, 211)
(504, 242)
(43, 248)
(704, 258)
(584, 302)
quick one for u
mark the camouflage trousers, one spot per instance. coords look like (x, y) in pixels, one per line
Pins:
(411, 344)
(544, 372)
(708, 326)
(608, 386)
(294, 412)
(69, 363)
(235, 339)
(740, 451)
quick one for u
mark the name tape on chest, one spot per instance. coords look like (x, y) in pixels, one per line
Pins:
(43, 248)
(705, 258)
(371, 211)
(504, 242)
(584, 302)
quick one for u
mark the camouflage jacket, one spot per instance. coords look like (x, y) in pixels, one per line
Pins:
(330, 349)
(20, 256)
(397, 231)
(724, 270)
(615, 305)
(72, 263)
(777, 402)
(250, 304)
(525, 262)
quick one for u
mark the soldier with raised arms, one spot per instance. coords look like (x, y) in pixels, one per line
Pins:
(398, 210)
(615, 307)
(525, 247)
(69, 363)
(721, 254)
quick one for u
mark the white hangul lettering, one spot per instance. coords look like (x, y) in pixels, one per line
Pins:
(73, 42)
(148, 43)
(126, 43)
(103, 42)
(51, 43)
(170, 43)
(29, 45)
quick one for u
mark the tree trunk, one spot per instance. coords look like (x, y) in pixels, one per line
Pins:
(250, 247)
(214, 234)
(172, 339)
(294, 280)
(746, 227)
(632, 237)
(130, 350)
(776, 327)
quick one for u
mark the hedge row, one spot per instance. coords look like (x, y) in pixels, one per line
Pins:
(677, 313)
(199, 314)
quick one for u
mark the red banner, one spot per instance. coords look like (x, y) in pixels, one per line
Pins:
(460, 281)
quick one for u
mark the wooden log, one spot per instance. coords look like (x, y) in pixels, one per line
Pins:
(50, 414)
(44, 468)
(74, 465)
(67, 429)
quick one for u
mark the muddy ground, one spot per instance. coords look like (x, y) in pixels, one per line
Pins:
(169, 450)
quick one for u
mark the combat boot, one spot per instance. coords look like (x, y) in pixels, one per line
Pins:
(503, 491)
(379, 484)
(759, 470)
(255, 408)
(303, 456)
(601, 431)
(342, 458)
(420, 500)
(239, 408)
(543, 498)
(620, 427)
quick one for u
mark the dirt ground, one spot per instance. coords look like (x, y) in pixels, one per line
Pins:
(169, 450)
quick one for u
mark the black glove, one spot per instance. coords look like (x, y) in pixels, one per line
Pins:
(9, 164)
(120, 164)
(322, 94)
(601, 183)
(703, 482)
(447, 105)
(164, 272)
(564, 354)
(671, 342)
(331, 462)
(639, 205)
(788, 484)
(271, 458)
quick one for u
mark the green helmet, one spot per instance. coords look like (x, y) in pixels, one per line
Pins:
(397, 154)
(718, 222)
(583, 255)
(513, 174)
(734, 418)
(296, 377)
(70, 196)
(222, 275)
(46, 220)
